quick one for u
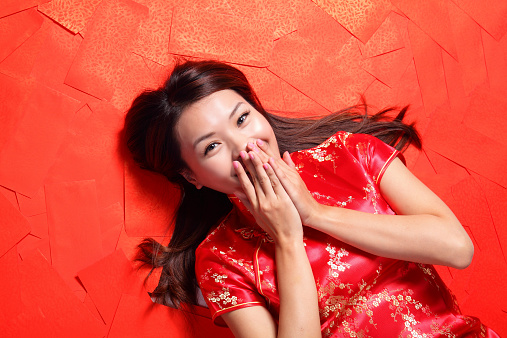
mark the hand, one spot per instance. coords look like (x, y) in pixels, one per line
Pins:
(287, 174)
(267, 199)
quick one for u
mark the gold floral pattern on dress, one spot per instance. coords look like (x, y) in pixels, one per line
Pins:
(320, 155)
(249, 233)
(335, 263)
(372, 195)
(223, 298)
(359, 295)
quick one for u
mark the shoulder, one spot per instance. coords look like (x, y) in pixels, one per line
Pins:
(372, 154)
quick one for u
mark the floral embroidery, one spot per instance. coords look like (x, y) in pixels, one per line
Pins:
(335, 263)
(222, 298)
(249, 233)
(372, 195)
(320, 155)
(355, 297)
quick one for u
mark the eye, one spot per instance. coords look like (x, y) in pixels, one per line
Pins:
(242, 118)
(210, 147)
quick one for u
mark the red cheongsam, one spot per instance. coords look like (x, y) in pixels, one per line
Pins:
(360, 294)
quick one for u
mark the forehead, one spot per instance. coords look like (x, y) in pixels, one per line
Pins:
(215, 102)
(207, 114)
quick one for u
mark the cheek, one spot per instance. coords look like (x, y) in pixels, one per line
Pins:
(214, 170)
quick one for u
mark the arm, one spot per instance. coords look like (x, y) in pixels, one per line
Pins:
(274, 211)
(298, 303)
(425, 229)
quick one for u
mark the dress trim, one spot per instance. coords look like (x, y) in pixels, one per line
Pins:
(257, 272)
(386, 164)
(230, 308)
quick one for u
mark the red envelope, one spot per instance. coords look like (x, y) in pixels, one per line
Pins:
(8, 7)
(283, 13)
(105, 281)
(467, 36)
(53, 61)
(14, 225)
(154, 33)
(432, 16)
(71, 14)
(31, 244)
(16, 29)
(496, 197)
(223, 37)
(28, 154)
(10, 292)
(387, 38)
(150, 202)
(108, 37)
(495, 54)
(266, 85)
(300, 105)
(74, 227)
(10, 195)
(35, 205)
(133, 81)
(468, 148)
(50, 309)
(490, 14)
(93, 153)
(12, 93)
(430, 71)
(20, 62)
(111, 224)
(482, 114)
(318, 28)
(474, 213)
(389, 67)
(360, 18)
(300, 63)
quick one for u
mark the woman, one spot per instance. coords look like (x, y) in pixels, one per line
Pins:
(358, 267)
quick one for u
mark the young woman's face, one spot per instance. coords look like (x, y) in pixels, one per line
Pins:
(213, 131)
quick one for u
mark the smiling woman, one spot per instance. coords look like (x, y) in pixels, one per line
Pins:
(213, 131)
(335, 239)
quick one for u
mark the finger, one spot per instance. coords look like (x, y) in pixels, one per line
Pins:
(262, 154)
(280, 174)
(245, 182)
(247, 160)
(260, 172)
(287, 159)
(275, 182)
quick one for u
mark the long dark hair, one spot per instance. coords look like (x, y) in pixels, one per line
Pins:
(150, 135)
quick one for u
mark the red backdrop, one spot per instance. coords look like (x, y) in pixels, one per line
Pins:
(73, 206)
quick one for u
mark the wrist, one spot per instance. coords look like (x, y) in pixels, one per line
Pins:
(289, 244)
(315, 216)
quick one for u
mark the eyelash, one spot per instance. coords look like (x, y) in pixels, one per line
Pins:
(239, 122)
(245, 114)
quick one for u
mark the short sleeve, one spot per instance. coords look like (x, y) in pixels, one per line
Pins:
(227, 283)
(372, 153)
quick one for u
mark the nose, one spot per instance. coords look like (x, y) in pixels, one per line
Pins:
(238, 143)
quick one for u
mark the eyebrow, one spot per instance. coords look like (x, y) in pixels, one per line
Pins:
(200, 139)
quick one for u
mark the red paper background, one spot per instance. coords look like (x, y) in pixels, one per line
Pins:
(74, 206)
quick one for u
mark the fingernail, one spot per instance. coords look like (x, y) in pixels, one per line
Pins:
(242, 154)
(259, 142)
(235, 164)
(251, 155)
(265, 166)
(250, 145)
(256, 149)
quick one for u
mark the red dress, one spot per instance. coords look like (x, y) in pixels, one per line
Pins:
(360, 294)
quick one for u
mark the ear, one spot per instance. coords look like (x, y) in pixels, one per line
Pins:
(189, 176)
